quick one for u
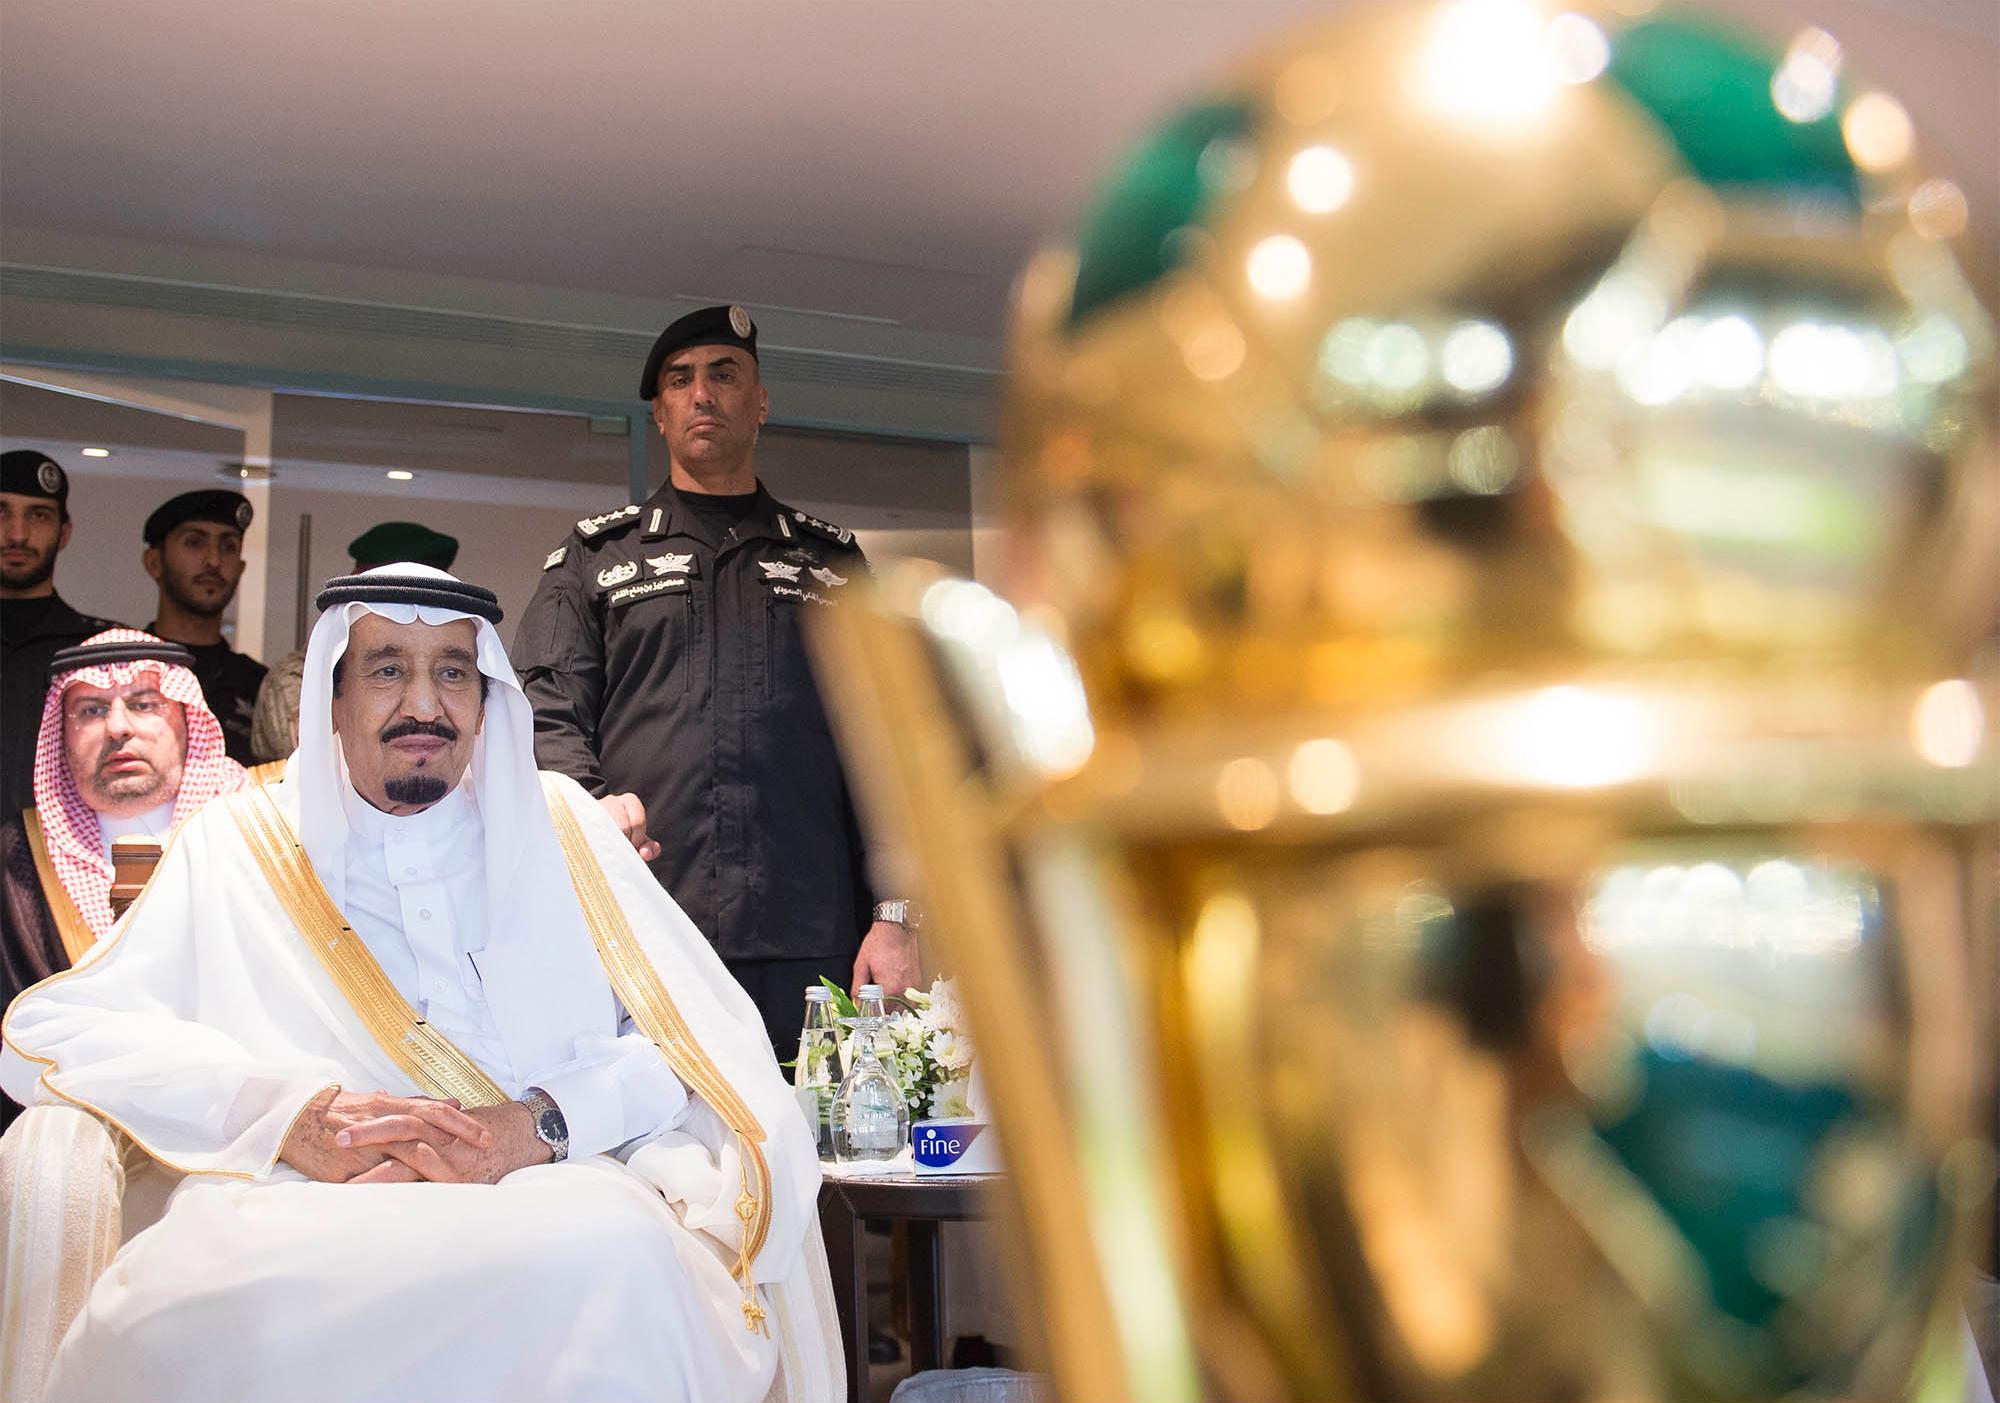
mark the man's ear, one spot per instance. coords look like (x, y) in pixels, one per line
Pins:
(660, 414)
(62, 536)
(150, 558)
(763, 404)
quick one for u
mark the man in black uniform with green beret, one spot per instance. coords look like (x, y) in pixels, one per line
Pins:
(664, 653)
(194, 550)
(34, 621)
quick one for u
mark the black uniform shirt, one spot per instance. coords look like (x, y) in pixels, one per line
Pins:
(664, 655)
(31, 947)
(31, 630)
(229, 682)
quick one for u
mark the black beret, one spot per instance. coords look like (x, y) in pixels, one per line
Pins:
(410, 589)
(31, 473)
(119, 650)
(217, 504)
(711, 326)
(394, 541)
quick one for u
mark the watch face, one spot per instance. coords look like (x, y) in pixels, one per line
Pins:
(550, 1123)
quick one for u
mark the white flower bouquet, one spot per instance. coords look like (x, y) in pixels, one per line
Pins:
(927, 1050)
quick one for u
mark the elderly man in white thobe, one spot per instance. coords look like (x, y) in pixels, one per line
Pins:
(467, 1108)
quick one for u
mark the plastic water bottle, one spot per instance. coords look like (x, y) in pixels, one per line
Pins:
(870, 1118)
(816, 1076)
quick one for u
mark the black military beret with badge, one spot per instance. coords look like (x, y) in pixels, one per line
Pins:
(711, 326)
(29, 472)
(217, 506)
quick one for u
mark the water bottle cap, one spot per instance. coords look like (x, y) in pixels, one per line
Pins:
(868, 991)
(816, 994)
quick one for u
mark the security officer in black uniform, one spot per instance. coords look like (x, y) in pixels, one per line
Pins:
(194, 550)
(34, 621)
(664, 653)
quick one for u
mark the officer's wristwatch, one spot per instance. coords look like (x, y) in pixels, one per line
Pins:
(906, 914)
(550, 1127)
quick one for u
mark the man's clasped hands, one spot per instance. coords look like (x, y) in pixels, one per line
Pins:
(372, 1137)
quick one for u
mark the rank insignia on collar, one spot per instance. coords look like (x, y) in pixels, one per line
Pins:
(778, 570)
(827, 577)
(554, 557)
(617, 574)
(670, 561)
(591, 525)
(653, 525)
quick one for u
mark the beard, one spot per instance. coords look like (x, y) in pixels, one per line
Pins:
(415, 789)
(120, 790)
(32, 575)
(182, 591)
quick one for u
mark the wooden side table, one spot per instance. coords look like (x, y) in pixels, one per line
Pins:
(845, 1206)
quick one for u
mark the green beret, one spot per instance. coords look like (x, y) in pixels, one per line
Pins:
(711, 326)
(394, 542)
(27, 472)
(217, 504)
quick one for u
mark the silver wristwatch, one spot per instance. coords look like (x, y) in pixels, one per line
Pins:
(904, 913)
(550, 1127)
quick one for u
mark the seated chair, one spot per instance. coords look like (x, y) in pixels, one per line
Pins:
(133, 859)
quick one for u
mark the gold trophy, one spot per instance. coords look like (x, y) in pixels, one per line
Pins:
(1484, 732)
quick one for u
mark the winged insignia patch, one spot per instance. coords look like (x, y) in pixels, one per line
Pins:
(827, 577)
(778, 570)
(617, 574)
(670, 561)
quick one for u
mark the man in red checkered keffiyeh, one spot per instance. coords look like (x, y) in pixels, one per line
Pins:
(127, 746)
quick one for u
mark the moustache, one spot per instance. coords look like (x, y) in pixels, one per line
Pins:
(443, 730)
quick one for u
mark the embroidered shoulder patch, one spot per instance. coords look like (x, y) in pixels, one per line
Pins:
(555, 557)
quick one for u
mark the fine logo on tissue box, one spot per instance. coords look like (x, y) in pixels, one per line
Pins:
(952, 1147)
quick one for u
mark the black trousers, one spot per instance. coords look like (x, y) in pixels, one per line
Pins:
(778, 988)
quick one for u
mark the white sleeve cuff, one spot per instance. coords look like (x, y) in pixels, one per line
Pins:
(615, 1090)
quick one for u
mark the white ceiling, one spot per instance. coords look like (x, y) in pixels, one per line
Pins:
(883, 159)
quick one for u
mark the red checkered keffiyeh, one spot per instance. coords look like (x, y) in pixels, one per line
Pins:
(76, 842)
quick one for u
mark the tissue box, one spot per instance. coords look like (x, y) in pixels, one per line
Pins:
(955, 1146)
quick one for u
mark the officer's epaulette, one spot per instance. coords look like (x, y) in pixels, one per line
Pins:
(592, 528)
(838, 534)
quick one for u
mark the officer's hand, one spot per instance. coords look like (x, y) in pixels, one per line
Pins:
(888, 957)
(630, 815)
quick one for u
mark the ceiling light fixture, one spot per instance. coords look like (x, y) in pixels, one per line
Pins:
(97, 453)
(399, 475)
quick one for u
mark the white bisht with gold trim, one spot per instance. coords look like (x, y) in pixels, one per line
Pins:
(686, 1265)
